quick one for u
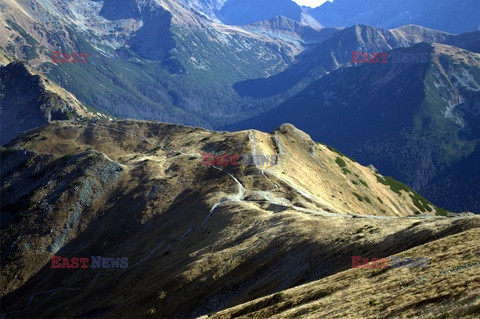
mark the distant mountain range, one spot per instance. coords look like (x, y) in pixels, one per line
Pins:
(248, 11)
(336, 52)
(419, 122)
(288, 29)
(375, 157)
(176, 61)
(455, 16)
(159, 56)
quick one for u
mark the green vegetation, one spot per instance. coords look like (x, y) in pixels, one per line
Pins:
(421, 203)
(340, 162)
(75, 184)
(70, 115)
(359, 197)
(28, 38)
(31, 44)
(446, 315)
(414, 224)
(372, 302)
(9, 150)
(364, 183)
(367, 228)
(279, 296)
(441, 211)
(26, 164)
(380, 200)
(65, 158)
(346, 171)
(354, 183)
(167, 88)
(367, 200)
(29, 52)
(395, 185)
(339, 153)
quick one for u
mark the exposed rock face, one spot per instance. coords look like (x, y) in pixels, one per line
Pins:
(28, 100)
(285, 28)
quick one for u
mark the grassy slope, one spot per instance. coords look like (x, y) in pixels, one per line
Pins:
(448, 288)
(150, 199)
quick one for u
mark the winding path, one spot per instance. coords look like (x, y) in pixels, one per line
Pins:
(239, 196)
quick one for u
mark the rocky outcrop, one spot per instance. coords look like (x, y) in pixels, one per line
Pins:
(28, 100)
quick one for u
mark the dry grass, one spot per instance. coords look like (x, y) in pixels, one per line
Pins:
(185, 260)
(391, 293)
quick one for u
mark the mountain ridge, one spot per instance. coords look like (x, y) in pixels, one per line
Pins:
(451, 16)
(145, 180)
(336, 52)
(29, 100)
(387, 103)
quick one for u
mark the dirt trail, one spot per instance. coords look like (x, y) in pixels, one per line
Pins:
(239, 196)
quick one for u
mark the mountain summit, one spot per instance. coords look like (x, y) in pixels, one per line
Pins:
(455, 16)
(138, 190)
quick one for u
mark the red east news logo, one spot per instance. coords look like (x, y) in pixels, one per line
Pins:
(96, 262)
(359, 57)
(397, 262)
(393, 57)
(59, 57)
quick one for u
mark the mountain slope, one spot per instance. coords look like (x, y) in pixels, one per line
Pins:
(448, 288)
(411, 120)
(456, 16)
(240, 12)
(285, 28)
(336, 52)
(197, 238)
(468, 41)
(155, 59)
(208, 8)
(29, 100)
